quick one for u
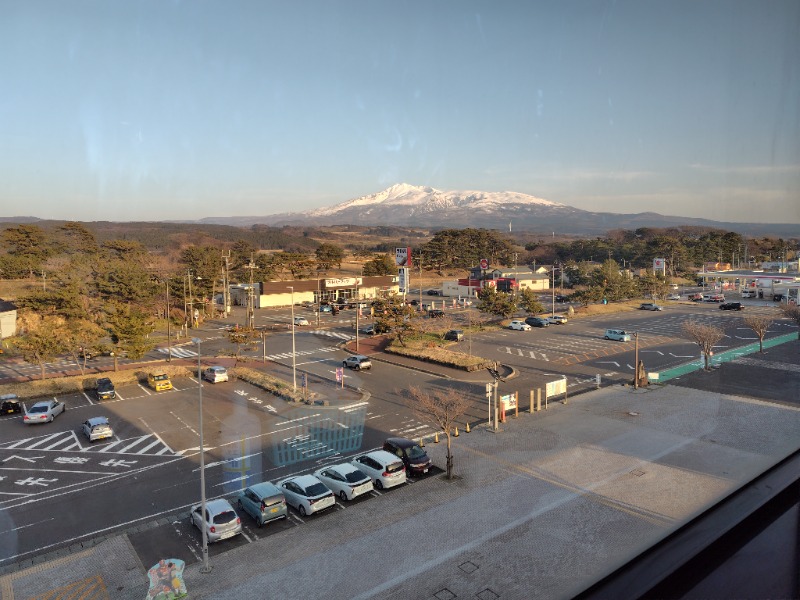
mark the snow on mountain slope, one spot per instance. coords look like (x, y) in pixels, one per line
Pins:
(420, 200)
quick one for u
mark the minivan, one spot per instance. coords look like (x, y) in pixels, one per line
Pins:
(619, 335)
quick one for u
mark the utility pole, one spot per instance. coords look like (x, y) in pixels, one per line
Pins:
(169, 330)
(251, 317)
(226, 288)
(636, 360)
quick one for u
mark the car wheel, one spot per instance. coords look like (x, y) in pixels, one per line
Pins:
(344, 363)
(302, 510)
(605, 337)
(378, 484)
(342, 495)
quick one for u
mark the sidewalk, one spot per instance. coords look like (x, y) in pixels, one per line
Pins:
(542, 509)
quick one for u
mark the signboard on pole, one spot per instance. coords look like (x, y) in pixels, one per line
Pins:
(402, 279)
(660, 264)
(554, 388)
(402, 257)
(484, 263)
(508, 402)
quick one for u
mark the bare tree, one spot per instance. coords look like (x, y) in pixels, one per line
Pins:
(759, 324)
(441, 408)
(792, 311)
(704, 336)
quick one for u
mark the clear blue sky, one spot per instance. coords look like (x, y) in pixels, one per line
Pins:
(129, 110)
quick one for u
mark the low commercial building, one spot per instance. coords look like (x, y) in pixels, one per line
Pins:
(267, 294)
(8, 319)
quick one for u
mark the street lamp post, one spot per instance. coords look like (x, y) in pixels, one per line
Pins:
(294, 359)
(169, 330)
(206, 568)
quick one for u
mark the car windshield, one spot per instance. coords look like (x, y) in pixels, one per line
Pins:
(415, 452)
(38, 409)
(160, 377)
(224, 517)
(316, 489)
(355, 476)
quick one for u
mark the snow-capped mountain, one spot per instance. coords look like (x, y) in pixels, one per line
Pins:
(417, 206)
(405, 205)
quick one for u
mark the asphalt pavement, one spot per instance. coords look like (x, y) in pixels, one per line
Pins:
(543, 508)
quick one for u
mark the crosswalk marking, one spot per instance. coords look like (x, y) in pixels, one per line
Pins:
(178, 352)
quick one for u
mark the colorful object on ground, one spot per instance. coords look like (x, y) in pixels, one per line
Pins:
(166, 580)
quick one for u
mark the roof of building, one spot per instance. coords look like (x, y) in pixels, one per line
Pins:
(6, 306)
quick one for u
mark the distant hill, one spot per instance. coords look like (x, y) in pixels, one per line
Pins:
(405, 205)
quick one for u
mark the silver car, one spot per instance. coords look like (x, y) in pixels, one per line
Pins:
(357, 362)
(345, 480)
(215, 374)
(97, 428)
(221, 521)
(43, 412)
(306, 494)
(264, 502)
(385, 469)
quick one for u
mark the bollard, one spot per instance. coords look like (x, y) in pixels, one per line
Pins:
(467, 430)
(531, 409)
(421, 443)
(436, 438)
(516, 404)
(456, 433)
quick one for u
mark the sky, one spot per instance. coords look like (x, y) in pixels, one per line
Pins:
(126, 110)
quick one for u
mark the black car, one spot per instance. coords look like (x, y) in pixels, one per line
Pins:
(10, 405)
(414, 458)
(433, 293)
(455, 335)
(731, 306)
(562, 298)
(105, 389)
(436, 314)
(537, 322)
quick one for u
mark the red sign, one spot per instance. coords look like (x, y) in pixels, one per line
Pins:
(484, 263)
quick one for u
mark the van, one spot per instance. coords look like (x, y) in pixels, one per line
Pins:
(619, 335)
(713, 298)
(748, 293)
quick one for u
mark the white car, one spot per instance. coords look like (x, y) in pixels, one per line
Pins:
(97, 428)
(464, 302)
(557, 320)
(674, 297)
(300, 321)
(306, 494)
(221, 521)
(519, 325)
(384, 468)
(215, 374)
(345, 480)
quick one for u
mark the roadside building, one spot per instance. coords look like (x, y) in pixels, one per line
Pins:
(8, 319)
(266, 294)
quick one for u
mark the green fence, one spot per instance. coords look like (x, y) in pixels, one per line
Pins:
(722, 357)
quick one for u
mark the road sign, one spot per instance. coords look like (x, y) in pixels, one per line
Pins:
(339, 373)
(484, 263)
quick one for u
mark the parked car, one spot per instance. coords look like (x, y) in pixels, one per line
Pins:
(562, 298)
(519, 325)
(619, 335)
(713, 298)
(650, 306)
(433, 293)
(464, 302)
(215, 374)
(415, 459)
(777, 297)
(436, 313)
(10, 404)
(731, 306)
(300, 321)
(357, 362)
(43, 412)
(105, 389)
(557, 320)
(325, 308)
(369, 329)
(345, 480)
(674, 297)
(264, 502)
(537, 322)
(696, 297)
(159, 381)
(306, 494)
(385, 469)
(221, 521)
(97, 428)
(455, 335)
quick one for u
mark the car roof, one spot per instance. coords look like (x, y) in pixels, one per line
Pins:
(302, 480)
(402, 442)
(97, 421)
(343, 468)
(43, 403)
(382, 456)
(216, 368)
(104, 380)
(361, 357)
(216, 506)
(265, 488)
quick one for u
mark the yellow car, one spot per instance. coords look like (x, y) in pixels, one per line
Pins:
(159, 381)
